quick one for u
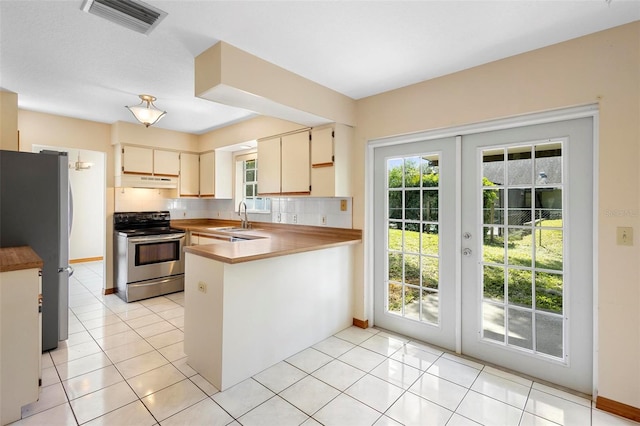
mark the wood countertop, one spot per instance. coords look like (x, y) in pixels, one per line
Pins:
(18, 258)
(266, 240)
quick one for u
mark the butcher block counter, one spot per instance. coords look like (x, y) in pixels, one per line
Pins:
(263, 240)
(253, 303)
(18, 258)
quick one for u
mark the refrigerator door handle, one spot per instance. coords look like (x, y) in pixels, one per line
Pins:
(68, 269)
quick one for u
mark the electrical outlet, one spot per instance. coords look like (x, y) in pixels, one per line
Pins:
(295, 218)
(324, 220)
(343, 205)
(624, 236)
(202, 286)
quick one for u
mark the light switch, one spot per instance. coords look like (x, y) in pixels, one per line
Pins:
(624, 236)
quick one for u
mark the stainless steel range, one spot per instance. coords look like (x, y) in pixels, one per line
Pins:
(148, 253)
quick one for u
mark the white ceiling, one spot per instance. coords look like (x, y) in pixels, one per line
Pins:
(64, 61)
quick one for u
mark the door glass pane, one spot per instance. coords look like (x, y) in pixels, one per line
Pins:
(520, 328)
(412, 269)
(549, 206)
(412, 302)
(430, 205)
(395, 267)
(523, 246)
(430, 239)
(548, 163)
(493, 167)
(549, 249)
(412, 205)
(519, 206)
(493, 322)
(394, 301)
(549, 292)
(394, 238)
(395, 204)
(412, 172)
(519, 170)
(430, 306)
(430, 272)
(493, 283)
(549, 334)
(413, 245)
(520, 287)
(493, 202)
(493, 248)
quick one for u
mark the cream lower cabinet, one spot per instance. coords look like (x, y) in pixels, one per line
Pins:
(20, 341)
(283, 165)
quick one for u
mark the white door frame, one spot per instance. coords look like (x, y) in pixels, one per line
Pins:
(590, 110)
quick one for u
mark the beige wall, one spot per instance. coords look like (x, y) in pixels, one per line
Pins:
(601, 68)
(137, 134)
(245, 131)
(8, 121)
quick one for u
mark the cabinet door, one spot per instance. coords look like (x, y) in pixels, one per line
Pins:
(207, 174)
(166, 163)
(269, 166)
(189, 175)
(322, 147)
(295, 164)
(137, 160)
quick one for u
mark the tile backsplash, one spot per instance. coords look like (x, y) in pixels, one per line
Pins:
(290, 210)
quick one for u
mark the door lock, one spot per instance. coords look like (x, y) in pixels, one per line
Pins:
(467, 252)
(467, 235)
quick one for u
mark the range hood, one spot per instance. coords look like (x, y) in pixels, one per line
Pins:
(140, 181)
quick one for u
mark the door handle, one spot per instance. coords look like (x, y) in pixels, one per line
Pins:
(467, 252)
(467, 235)
(68, 269)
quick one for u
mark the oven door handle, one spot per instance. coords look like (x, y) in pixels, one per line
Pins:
(153, 238)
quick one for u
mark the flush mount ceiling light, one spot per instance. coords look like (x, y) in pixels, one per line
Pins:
(146, 112)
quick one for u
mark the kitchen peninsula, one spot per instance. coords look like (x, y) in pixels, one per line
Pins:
(254, 302)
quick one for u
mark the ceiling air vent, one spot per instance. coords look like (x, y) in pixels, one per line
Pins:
(132, 14)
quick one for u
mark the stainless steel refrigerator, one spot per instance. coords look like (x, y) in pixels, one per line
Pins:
(35, 211)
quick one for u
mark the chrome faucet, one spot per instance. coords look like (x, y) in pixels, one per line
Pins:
(245, 220)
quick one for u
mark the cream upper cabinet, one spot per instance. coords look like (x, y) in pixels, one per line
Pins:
(283, 165)
(189, 175)
(330, 161)
(295, 166)
(216, 180)
(269, 166)
(137, 160)
(322, 147)
(166, 163)
(207, 174)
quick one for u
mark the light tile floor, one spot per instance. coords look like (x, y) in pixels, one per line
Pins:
(123, 364)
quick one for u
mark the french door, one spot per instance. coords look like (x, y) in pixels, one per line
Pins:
(507, 215)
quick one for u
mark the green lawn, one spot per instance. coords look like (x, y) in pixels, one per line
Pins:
(548, 254)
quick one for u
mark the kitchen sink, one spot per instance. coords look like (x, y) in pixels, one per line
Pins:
(232, 229)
